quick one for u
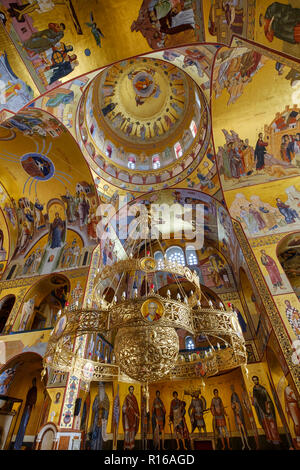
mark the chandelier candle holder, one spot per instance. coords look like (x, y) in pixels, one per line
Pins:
(144, 325)
(140, 303)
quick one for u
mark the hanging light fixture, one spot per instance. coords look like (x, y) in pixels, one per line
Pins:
(143, 317)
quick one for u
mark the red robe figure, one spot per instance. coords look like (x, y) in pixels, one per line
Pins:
(272, 269)
(130, 419)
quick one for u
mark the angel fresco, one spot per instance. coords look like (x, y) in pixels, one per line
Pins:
(95, 30)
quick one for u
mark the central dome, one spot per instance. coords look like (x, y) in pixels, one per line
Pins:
(142, 115)
(143, 100)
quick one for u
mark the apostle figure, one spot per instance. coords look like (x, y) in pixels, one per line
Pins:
(265, 411)
(57, 232)
(259, 153)
(30, 402)
(289, 214)
(40, 41)
(219, 413)
(176, 417)
(281, 21)
(196, 409)
(158, 421)
(293, 317)
(99, 419)
(239, 417)
(130, 418)
(292, 408)
(272, 269)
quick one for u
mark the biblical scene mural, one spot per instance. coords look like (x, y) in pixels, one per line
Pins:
(165, 24)
(223, 19)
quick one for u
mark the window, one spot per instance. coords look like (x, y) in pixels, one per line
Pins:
(158, 256)
(191, 256)
(155, 162)
(131, 163)
(189, 343)
(178, 150)
(193, 129)
(175, 254)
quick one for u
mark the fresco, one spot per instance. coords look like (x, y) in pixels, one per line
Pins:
(165, 24)
(223, 19)
(267, 213)
(277, 25)
(289, 308)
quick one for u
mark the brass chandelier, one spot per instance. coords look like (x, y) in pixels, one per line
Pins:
(135, 305)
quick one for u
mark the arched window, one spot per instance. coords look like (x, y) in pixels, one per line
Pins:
(158, 256)
(155, 162)
(175, 254)
(189, 343)
(193, 128)
(178, 150)
(191, 256)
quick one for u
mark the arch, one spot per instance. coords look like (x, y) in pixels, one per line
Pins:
(47, 437)
(6, 305)
(189, 342)
(50, 291)
(249, 299)
(288, 253)
(176, 254)
(23, 381)
(191, 255)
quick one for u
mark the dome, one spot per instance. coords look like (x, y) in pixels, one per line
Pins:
(143, 121)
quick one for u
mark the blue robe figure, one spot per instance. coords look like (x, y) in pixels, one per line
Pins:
(100, 411)
(96, 32)
(60, 71)
(108, 108)
(29, 404)
(57, 232)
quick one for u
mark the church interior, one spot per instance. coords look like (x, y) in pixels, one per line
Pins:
(149, 225)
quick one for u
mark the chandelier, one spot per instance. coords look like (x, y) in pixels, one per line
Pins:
(140, 302)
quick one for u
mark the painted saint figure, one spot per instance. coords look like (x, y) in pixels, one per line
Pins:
(219, 413)
(30, 402)
(57, 232)
(116, 418)
(239, 417)
(259, 153)
(176, 417)
(130, 418)
(196, 409)
(158, 421)
(289, 214)
(272, 269)
(293, 317)
(99, 418)
(265, 411)
(281, 21)
(41, 41)
(292, 408)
